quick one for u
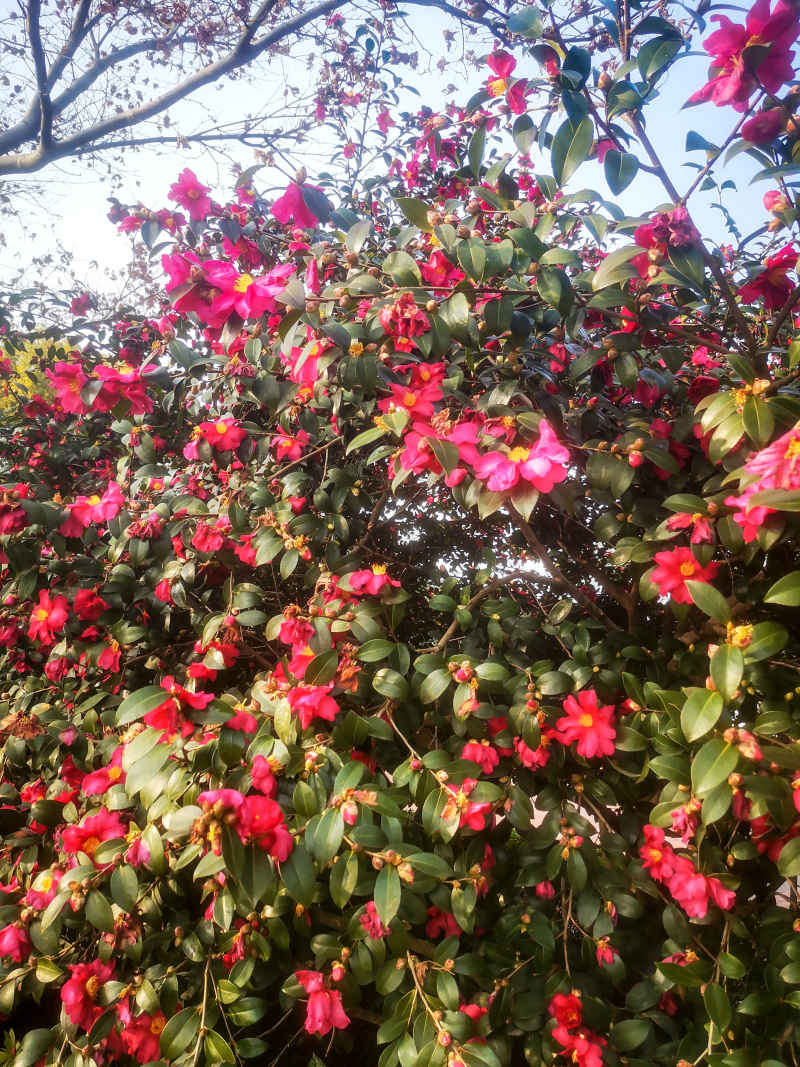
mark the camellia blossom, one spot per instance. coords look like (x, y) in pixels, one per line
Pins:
(191, 194)
(292, 207)
(371, 922)
(746, 57)
(87, 835)
(324, 1010)
(141, 1034)
(771, 285)
(313, 702)
(101, 781)
(371, 581)
(588, 723)
(79, 993)
(674, 568)
(67, 380)
(15, 944)
(48, 618)
(542, 465)
(502, 66)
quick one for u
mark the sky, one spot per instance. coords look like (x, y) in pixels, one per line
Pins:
(71, 211)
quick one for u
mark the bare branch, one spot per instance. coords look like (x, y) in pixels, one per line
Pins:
(94, 137)
(40, 66)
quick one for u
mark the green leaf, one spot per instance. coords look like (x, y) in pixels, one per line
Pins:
(555, 288)
(125, 888)
(217, 1049)
(700, 713)
(767, 639)
(472, 257)
(298, 876)
(477, 146)
(402, 269)
(616, 268)
(727, 667)
(780, 499)
(328, 836)
(390, 684)
(343, 879)
(138, 704)
(620, 169)
(434, 685)
(709, 600)
(387, 893)
(179, 1033)
(758, 420)
(322, 668)
(527, 23)
(789, 858)
(657, 54)
(98, 912)
(416, 211)
(713, 763)
(630, 1033)
(717, 1005)
(786, 591)
(571, 146)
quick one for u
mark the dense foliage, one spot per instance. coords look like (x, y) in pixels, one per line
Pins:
(399, 656)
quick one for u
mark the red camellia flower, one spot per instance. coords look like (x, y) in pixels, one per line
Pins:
(566, 1009)
(141, 1034)
(677, 566)
(169, 716)
(324, 1010)
(92, 831)
(67, 380)
(502, 66)
(744, 57)
(48, 618)
(771, 285)
(313, 702)
(79, 993)
(191, 194)
(589, 724)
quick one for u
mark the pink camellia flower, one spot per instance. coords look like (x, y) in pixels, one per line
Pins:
(675, 568)
(771, 285)
(764, 127)
(80, 304)
(324, 1010)
(542, 465)
(604, 953)
(778, 465)
(589, 724)
(292, 207)
(313, 702)
(91, 832)
(48, 618)
(249, 297)
(701, 528)
(371, 922)
(43, 889)
(263, 777)
(15, 943)
(267, 827)
(533, 757)
(288, 447)
(502, 66)
(775, 201)
(67, 381)
(170, 715)
(735, 74)
(138, 853)
(371, 581)
(88, 509)
(191, 194)
(545, 890)
(79, 993)
(101, 781)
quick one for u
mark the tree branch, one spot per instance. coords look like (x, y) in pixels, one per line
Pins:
(245, 51)
(40, 66)
(792, 299)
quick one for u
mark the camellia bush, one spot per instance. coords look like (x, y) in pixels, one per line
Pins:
(400, 660)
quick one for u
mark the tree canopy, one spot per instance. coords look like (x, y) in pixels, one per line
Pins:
(399, 659)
